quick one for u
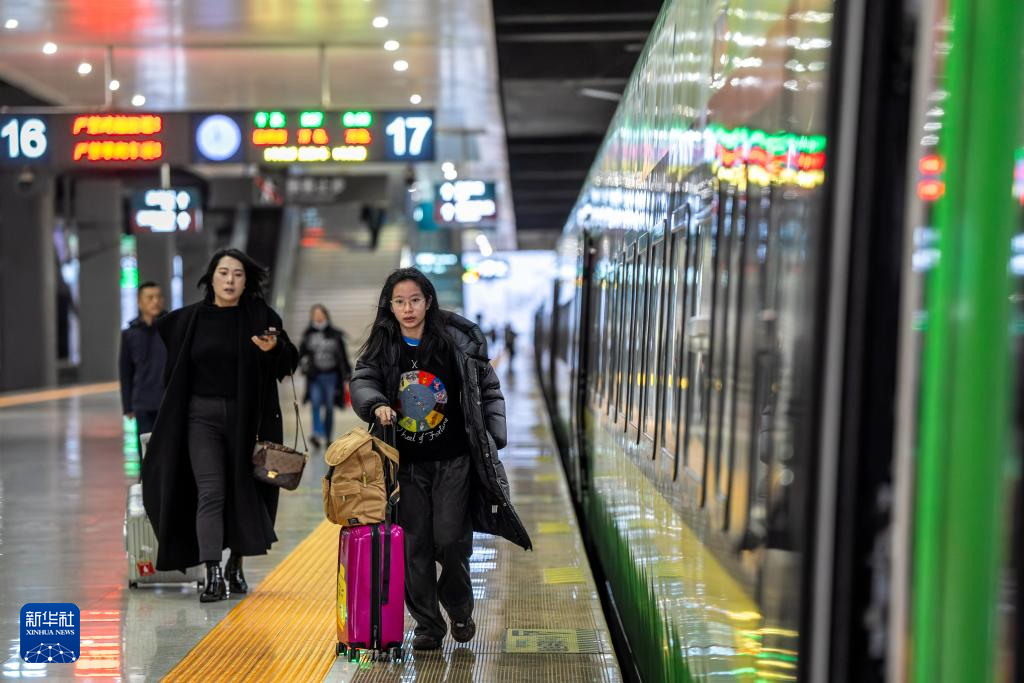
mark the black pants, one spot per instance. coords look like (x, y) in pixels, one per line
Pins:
(434, 512)
(144, 421)
(211, 443)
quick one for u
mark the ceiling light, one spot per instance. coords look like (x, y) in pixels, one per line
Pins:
(391, 45)
(380, 22)
(138, 101)
(415, 99)
(485, 245)
(401, 65)
(447, 167)
(451, 175)
(50, 48)
(11, 24)
(84, 69)
(114, 84)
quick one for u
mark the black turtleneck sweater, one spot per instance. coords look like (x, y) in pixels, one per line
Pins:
(215, 352)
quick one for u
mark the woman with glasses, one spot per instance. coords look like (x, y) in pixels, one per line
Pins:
(426, 371)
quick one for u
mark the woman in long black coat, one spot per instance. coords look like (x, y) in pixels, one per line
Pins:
(225, 356)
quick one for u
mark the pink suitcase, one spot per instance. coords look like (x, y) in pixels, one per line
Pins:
(370, 609)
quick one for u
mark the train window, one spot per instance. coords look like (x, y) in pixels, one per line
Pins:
(638, 331)
(611, 366)
(626, 320)
(653, 367)
(720, 342)
(739, 381)
(724, 336)
(674, 278)
(697, 338)
(598, 303)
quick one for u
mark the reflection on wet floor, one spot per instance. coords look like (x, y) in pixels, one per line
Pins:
(64, 474)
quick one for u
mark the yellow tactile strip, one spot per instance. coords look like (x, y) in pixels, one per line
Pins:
(27, 398)
(283, 631)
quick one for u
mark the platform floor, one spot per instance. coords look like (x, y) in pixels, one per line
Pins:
(63, 478)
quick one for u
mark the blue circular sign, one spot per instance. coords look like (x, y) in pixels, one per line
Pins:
(218, 137)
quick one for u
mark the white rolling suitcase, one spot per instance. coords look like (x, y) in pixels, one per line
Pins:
(140, 544)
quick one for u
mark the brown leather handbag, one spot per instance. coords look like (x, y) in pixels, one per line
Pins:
(277, 464)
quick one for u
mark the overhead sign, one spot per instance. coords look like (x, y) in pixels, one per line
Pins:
(465, 202)
(24, 140)
(279, 138)
(99, 138)
(166, 211)
(329, 189)
(350, 137)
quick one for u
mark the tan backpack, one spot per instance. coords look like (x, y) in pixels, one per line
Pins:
(361, 485)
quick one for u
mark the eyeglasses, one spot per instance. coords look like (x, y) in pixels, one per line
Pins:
(415, 302)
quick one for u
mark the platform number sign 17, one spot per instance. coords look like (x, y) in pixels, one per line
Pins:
(23, 139)
(410, 136)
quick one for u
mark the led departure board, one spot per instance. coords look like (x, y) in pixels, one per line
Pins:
(347, 137)
(274, 138)
(117, 137)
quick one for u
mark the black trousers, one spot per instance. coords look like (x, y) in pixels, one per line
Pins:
(211, 442)
(144, 421)
(434, 512)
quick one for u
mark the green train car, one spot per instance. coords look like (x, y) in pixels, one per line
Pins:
(782, 353)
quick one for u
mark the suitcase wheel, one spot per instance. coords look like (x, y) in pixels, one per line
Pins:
(340, 649)
(133, 584)
(396, 654)
(353, 654)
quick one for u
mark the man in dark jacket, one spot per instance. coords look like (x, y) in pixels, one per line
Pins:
(142, 360)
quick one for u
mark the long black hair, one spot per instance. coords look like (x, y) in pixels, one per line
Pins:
(256, 276)
(386, 334)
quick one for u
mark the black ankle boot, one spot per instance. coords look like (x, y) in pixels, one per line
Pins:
(235, 577)
(215, 587)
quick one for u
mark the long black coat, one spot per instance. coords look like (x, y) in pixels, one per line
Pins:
(483, 406)
(169, 488)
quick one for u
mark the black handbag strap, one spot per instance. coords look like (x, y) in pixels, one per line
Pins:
(299, 431)
(298, 419)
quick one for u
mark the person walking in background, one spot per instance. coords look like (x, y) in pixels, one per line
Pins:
(324, 360)
(510, 343)
(426, 370)
(225, 357)
(141, 362)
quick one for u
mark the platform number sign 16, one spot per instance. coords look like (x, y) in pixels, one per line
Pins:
(23, 139)
(410, 136)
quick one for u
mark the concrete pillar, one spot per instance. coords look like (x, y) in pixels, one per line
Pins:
(99, 210)
(156, 256)
(195, 251)
(28, 299)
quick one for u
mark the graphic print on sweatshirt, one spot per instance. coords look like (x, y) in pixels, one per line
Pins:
(424, 402)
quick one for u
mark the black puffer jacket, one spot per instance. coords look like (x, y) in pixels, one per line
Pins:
(483, 406)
